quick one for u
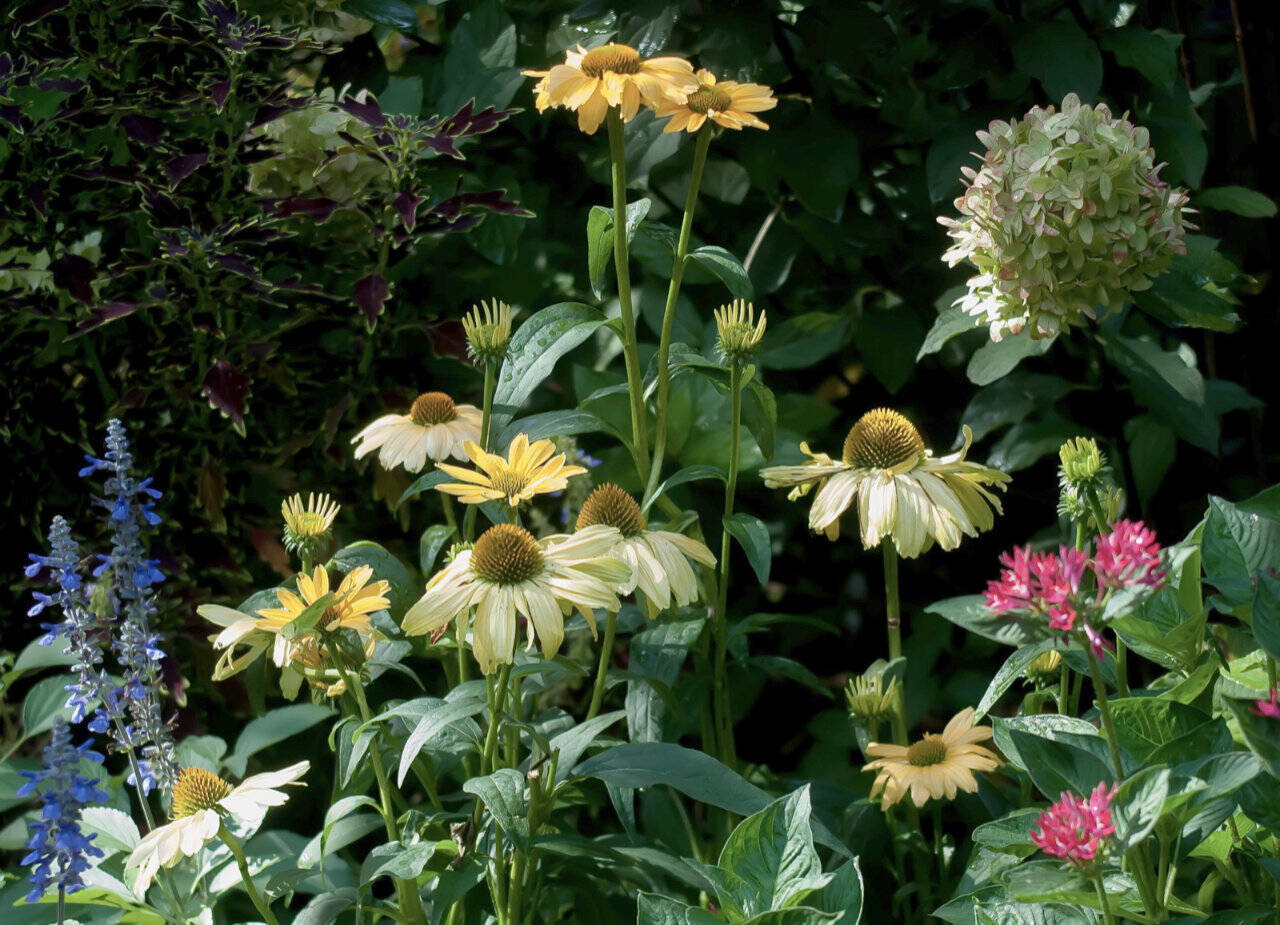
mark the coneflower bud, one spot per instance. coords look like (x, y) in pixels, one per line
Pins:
(871, 701)
(488, 330)
(308, 529)
(739, 333)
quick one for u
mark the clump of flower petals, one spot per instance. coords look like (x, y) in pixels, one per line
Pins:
(1067, 214)
(1074, 827)
(1128, 555)
(1268, 708)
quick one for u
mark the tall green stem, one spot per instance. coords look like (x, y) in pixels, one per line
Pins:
(669, 311)
(1107, 916)
(621, 263)
(893, 622)
(406, 890)
(241, 862)
(723, 709)
(486, 419)
(1100, 689)
(602, 669)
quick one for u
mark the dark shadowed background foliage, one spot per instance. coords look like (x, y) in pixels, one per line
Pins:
(240, 336)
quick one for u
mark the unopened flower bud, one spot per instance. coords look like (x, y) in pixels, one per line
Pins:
(739, 331)
(488, 330)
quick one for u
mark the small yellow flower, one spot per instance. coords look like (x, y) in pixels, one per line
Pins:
(738, 332)
(488, 330)
(902, 491)
(658, 559)
(308, 528)
(727, 103)
(507, 574)
(590, 82)
(354, 600)
(937, 766)
(528, 469)
(435, 428)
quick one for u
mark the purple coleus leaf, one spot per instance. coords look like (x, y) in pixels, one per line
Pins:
(141, 129)
(238, 265)
(37, 10)
(468, 122)
(368, 112)
(219, 93)
(318, 208)
(101, 314)
(227, 391)
(75, 274)
(181, 168)
(406, 204)
(36, 193)
(449, 339)
(371, 295)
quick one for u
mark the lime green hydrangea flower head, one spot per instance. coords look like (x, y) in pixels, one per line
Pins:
(1066, 215)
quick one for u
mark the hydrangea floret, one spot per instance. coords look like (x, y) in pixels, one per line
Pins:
(59, 852)
(1066, 215)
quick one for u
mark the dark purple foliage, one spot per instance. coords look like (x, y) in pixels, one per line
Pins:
(75, 274)
(371, 295)
(227, 390)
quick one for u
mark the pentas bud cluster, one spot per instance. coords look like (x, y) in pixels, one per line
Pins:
(1073, 828)
(1050, 587)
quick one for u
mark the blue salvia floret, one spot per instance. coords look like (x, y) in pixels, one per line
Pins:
(59, 851)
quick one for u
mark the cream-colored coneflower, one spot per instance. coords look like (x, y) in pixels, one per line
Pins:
(528, 469)
(507, 574)
(870, 700)
(435, 428)
(590, 82)
(353, 601)
(308, 528)
(901, 489)
(936, 767)
(488, 330)
(658, 559)
(726, 102)
(201, 801)
(738, 333)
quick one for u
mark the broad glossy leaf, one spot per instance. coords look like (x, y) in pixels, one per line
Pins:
(278, 725)
(405, 587)
(503, 793)
(600, 238)
(994, 360)
(770, 856)
(725, 266)
(753, 536)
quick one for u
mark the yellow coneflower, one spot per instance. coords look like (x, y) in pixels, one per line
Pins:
(658, 559)
(507, 574)
(435, 428)
(738, 333)
(528, 469)
(308, 528)
(354, 600)
(726, 102)
(488, 330)
(936, 767)
(901, 489)
(590, 82)
(200, 802)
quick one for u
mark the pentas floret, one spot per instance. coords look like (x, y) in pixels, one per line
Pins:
(1268, 708)
(1128, 555)
(1074, 828)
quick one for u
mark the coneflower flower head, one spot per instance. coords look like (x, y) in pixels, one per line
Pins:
(870, 699)
(308, 529)
(738, 333)
(1074, 828)
(488, 330)
(59, 851)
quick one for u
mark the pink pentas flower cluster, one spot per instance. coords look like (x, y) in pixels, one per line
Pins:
(1074, 827)
(1129, 555)
(1268, 708)
(1049, 583)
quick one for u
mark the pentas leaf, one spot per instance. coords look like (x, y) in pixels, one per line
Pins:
(227, 390)
(371, 295)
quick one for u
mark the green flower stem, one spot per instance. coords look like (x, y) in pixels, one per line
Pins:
(1064, 687)
(1107, 916)
(513, 731)
(621, 258)
(486, 416)
(238, 850)
(602, 669)
(497, 703)
(446, 503)
(163, 874)
(893, 621)
(406, 890)
(1271, 673)
(1100, 689)
(723, 709)
(62, 903)
(669, 312)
